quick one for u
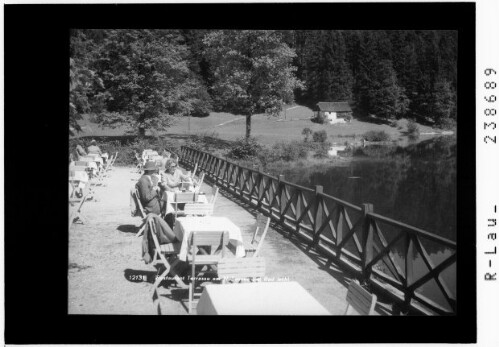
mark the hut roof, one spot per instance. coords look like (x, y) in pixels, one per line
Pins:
(341, 106)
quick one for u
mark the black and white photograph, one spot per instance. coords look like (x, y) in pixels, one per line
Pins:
(262, 172)
(269, 162)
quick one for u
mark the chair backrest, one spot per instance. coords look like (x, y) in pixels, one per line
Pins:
(238, 269)
(200, 183)
(214, 196)
(360, 301)
(194, 171)
(218, 240)
(261, 228)
(114, 159)
(158, 250)
(139, 204)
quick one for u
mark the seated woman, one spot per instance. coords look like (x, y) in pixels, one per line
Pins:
(172, 178)
(93, 148)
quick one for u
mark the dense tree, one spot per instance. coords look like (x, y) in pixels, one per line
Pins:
(328, 76)
(84, 83)
(252, 70)
(147, 79)
(144, 78)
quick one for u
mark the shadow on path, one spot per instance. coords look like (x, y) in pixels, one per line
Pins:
(128, 228)
(322, 261)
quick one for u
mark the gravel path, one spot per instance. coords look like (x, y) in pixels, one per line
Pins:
(104, 256)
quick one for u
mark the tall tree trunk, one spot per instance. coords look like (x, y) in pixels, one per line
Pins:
(248, 126)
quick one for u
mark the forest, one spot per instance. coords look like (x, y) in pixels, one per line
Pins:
(144, 78)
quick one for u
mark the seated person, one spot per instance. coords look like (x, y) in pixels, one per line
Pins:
(172, 178)
(93, 148)
(148, 193)
(165, 154)
(80, 151)
(150, 198)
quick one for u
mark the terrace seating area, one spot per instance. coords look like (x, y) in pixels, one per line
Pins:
(85, 175)
(223, 255)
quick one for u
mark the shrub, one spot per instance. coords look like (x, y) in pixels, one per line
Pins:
(306, 132)
(319, 136)
(244, 148)
(412, 129)
(376, 136)
(289, 151)
(446, 124)
(348, 118)
(319, 118)
(322, 151)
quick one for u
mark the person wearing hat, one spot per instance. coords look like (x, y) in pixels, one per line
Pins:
(152, 202)
(93, 148)
(148, 195)
(172, 178)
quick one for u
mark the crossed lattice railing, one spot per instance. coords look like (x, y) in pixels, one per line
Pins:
(392, 256)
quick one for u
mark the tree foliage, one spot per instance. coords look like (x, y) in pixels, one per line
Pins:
(84, 84)
(252, 71)
(147, 78)
(144, 79)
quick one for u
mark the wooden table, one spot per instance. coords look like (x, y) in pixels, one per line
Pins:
(260, 298)
(172, 205)
(184, 226)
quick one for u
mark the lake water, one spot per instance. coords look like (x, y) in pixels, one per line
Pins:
(416, 186)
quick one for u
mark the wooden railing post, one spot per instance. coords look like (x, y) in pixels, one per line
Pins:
(317, 222)
(409, 266)
(367, 244)
(280, 178)
(259, 189)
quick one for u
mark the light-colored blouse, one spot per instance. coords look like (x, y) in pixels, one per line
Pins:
(173, 181)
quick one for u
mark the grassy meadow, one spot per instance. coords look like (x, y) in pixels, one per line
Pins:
(268, 130)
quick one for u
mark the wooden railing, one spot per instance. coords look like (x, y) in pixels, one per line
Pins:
(389, 255)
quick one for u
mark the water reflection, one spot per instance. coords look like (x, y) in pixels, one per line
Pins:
(415, 185)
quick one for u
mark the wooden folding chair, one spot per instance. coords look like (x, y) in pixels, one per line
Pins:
(217, 241)
(214, 192)
(240, 269)
(140, 162)
(359, 300)
(113, 160)
(76, 213)
(193, 173)
(161, 255)
(141, 211)
(261, 228)
(200, 183)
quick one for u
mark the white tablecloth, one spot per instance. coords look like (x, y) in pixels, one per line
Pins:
(94, 158)
(91, 164)
(80, 176)
(184, 226)
(261, 298)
